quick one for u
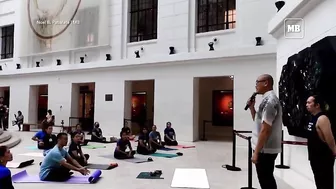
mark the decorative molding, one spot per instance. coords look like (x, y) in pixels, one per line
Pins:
(7, 13)
(267, 51)
(297, 10)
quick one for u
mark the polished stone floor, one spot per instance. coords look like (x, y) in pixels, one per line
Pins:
(207, 155)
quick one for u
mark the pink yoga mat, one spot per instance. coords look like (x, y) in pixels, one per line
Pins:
(184, 146)
(23, 177)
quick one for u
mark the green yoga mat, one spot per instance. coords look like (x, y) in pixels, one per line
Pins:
(146, 175)
(90, 146)
(31, 147)
(164, 155)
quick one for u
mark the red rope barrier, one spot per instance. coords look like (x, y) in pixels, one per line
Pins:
(242, 136)
(295, 143)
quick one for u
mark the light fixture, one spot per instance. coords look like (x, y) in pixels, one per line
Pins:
(211, 45)
(231, 76)
(279, 5)
(59, 62)
(137, 54)
(108, 57)
(172, 50)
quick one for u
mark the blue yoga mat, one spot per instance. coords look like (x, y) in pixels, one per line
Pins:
(32, 147)
(164, 155)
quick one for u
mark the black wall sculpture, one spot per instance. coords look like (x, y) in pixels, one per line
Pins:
(311, 71)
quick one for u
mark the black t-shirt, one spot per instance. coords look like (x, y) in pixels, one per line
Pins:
(317, 148)
(2, 110)
(123, 144)
(98, 132)
(74, 147)
(49, 141)
(144, 138)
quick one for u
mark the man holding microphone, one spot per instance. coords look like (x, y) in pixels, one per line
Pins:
(267, 131)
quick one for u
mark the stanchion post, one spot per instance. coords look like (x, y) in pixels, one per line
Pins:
(233, 166)
(203, 134)
(282, 166)
(249, 172)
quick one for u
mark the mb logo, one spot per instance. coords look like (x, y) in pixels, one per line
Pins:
(294, 28)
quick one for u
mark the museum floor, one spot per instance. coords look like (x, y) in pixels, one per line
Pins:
(207, 155)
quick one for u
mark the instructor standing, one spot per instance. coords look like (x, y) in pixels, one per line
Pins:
(266, 133)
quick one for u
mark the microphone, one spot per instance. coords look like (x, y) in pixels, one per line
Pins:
(252, 98)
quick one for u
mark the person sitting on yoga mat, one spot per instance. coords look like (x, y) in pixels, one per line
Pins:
(120, 150)
(170, 135)
(5, 173)
(57, 164)
(75, 149)
(128, 132)
(46, 140)
(79, 130)
(155, 140)
(97, 134)
(143, 143)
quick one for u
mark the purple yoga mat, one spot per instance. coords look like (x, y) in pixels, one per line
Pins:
(23, 177)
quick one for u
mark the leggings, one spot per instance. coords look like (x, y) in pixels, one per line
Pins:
(170, 142)
(145, 151)
(58, 174)
(120, 155)
(155, 146)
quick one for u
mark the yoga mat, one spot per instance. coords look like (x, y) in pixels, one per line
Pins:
(23, 177)
(93, 146)
(102, 166)
(146, 175)
(31, 147)
(185, 146)
(190, 178)
(33, 154)
(19, 164)
(167, 149)
(163, 155)
(138, 160)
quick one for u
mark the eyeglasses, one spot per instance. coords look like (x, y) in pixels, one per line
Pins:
(259, 81)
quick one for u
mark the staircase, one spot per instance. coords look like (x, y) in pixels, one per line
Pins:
(8, 139)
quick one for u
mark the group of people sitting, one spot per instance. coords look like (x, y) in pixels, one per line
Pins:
(148, 142)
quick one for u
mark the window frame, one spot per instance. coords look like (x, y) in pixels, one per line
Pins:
(7, 42)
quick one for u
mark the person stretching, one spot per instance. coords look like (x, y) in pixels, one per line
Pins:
(170, 135)
(45, 139)
(97, 134)
(143, 143)
(155, 140)
(5, 173)
(55, 166)
(120, 150)
(75, 149)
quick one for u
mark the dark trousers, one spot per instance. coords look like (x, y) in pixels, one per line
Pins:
(323, 169)
(155, 146)
(81, 160)
(170, 142)
(120, 155)
(145, 151)
(58, 174)
(265, 169)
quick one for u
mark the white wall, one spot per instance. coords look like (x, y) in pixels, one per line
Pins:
(316, 28)
(176, 27)
(174, 91)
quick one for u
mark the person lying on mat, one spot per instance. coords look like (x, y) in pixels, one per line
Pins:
(75, 149)
(79, 130)
(143, 145)
(128, 132)
(5, 173)
(155, 140)
(169, 135)
(97, 134)
(57, 163)
(122, 144)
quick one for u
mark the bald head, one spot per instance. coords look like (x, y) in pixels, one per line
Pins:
(269, 80)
